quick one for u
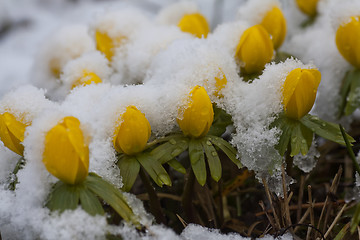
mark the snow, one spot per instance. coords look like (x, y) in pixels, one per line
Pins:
(154, 68)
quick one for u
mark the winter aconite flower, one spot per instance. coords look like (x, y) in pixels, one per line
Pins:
(195, 23)
(255, 49)
(87, 79)
(348, 41)
(275, 24)
(299, 91)
(308, 6)
(66, 153)
(12, 132)
(107, 44)
(198, 115)
(132, 134)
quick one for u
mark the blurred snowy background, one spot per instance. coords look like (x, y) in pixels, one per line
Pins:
(26, 24)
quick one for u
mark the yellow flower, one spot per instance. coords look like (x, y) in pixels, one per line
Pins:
(198, 115)
(255, 49)
(195, 23)
(275, 23)
(87, 79)
(106, 44)
(132, 133)
(66, 153)
(308, 6)
(220, 83)
(348, 41)
(299, 91)
(12, 132)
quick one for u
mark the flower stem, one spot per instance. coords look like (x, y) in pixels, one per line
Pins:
(155, 206)
(187, 197)
(349, 149)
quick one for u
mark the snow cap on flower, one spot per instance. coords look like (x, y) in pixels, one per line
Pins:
(268, 13)
(66, 151)
(254, 49)
(299, 91)
(90, 68)
(113, 29)
(196, 117)
(186, 16)
(132, 133)
(17, 110)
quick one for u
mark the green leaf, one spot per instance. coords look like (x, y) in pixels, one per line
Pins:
(169, 150)
(325, 129)
(90, 203)
(353, 97)
(221, 121)
(197, 160)
(177, 166)
(355, 221)
(112, 196)
(344, 92)
(229, 150)
(349, 149)
(64, 197)
(213, 160)
(285, 136)
(342, 232)
(301, 139)
(154, 169)
(129, 170)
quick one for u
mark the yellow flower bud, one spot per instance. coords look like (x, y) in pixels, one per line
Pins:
(198, 115)
(275, 23)
(66, 153)
(299, 91)
(132, 134)
(87, 79)
(195, 23)
(308, 6)
(348, 41)
(255, 49)
(220, 83)
(12, 132)
(106, 44)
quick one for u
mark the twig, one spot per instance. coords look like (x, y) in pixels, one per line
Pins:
(301, 193)
(182, 221)
(145, 196)
(312, 221)
(306, 214)
(277, 226)
(305, 205)
(271, 221)
(287, 211)
(335, 220)
(332, 190)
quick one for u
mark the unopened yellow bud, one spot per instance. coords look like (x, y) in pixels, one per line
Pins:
(220, 83)
(308, 6)
(106, 44)
(132, 134)
(255, 49)
(275, 23)
(12, 132)
(299, 91)
(348, 41)
(87, 79)
(66, 153)
(195, 23)
(198, 115)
